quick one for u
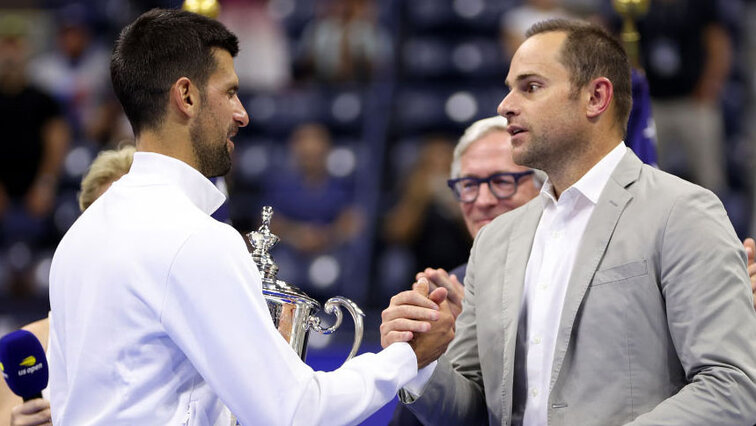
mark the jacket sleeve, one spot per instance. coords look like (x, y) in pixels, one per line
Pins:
(711, 320)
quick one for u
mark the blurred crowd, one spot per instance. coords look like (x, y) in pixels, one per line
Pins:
(355, 108)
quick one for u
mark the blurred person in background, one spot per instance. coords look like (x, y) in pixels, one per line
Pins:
(106, 168)
(345, 43)
(315, 211)
(486, 183)
(265, 63)
(426, 219)
(75, 72)
(34, 143)
(686, 52)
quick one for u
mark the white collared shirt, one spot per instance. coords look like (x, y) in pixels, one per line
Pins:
(159, 318)
(555, 245)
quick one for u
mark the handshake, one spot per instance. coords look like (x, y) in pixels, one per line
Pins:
(425, 315)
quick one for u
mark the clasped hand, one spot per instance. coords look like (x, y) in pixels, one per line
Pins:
(421, 317)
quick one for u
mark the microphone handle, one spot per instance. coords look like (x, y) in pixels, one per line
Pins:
(28, 398)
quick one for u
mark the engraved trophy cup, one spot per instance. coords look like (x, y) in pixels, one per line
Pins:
(293, 312)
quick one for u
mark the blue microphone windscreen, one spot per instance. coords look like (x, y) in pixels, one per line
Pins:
(23, 363)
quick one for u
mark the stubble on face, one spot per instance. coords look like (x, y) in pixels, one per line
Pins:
(209, 144)
(555, 139)
(551, 146)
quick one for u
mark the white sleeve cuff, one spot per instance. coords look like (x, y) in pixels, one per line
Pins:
(416, 386)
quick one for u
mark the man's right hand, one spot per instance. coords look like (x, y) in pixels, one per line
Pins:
(440, 278)
(423, 319)
(31, 413)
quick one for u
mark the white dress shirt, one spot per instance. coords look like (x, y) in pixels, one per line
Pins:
(556, 240)
(159, 319)
(555, 245)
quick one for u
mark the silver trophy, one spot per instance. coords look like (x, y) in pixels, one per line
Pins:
(293, 312)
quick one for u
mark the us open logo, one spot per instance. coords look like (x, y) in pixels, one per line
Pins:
(30, 362)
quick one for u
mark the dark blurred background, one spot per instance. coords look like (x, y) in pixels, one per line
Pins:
(355, 107)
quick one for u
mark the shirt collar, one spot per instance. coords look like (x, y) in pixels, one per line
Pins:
(159, 168)
(594, 181)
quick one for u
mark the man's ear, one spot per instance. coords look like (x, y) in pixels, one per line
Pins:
(185, 97)
(601, 93)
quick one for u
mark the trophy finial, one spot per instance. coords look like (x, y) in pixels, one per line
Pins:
(631, 10)
(267, 214)
(209, 8)
(262, 241)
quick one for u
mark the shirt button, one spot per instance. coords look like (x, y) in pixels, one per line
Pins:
(543, 286)
(536, 340)
(533, 392)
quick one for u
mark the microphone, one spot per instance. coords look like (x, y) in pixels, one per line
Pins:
(23, 364)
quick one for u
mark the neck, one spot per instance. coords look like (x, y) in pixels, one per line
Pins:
(569, 171)
(170, 142)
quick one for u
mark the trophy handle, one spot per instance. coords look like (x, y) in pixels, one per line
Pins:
(332, 307)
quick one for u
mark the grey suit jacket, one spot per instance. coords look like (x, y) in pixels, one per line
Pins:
(658, 326)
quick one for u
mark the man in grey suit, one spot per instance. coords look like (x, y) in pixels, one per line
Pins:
(619, 295)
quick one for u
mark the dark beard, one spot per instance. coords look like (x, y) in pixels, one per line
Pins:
(213, 158)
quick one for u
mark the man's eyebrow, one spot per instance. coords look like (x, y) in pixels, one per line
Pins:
(522, 77)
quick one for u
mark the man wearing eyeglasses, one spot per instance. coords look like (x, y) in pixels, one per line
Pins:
(487, 183)
(485, 180)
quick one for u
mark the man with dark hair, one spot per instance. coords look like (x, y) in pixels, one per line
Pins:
(587, 52)
(162, 320)
(150, 56)
(618, 296)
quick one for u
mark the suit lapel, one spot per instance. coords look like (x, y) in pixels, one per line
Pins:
(518, 252)
(512, 281)
(595, 240)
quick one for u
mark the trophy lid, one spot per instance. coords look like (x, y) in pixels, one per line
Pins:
(262, 241)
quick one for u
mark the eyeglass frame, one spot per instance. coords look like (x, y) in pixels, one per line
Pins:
(487, 180)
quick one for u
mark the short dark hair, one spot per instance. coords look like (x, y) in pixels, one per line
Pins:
(157, 49)
(590, 52)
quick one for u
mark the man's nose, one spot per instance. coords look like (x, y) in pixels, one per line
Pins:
(506, 109)
(240, 114)
(485, 196)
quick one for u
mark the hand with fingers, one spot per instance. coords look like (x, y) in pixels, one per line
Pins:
(35, 412)
(750, 247)
(455, 290)
(421, 317)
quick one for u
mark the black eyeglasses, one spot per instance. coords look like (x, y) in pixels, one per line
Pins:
(502, 185)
